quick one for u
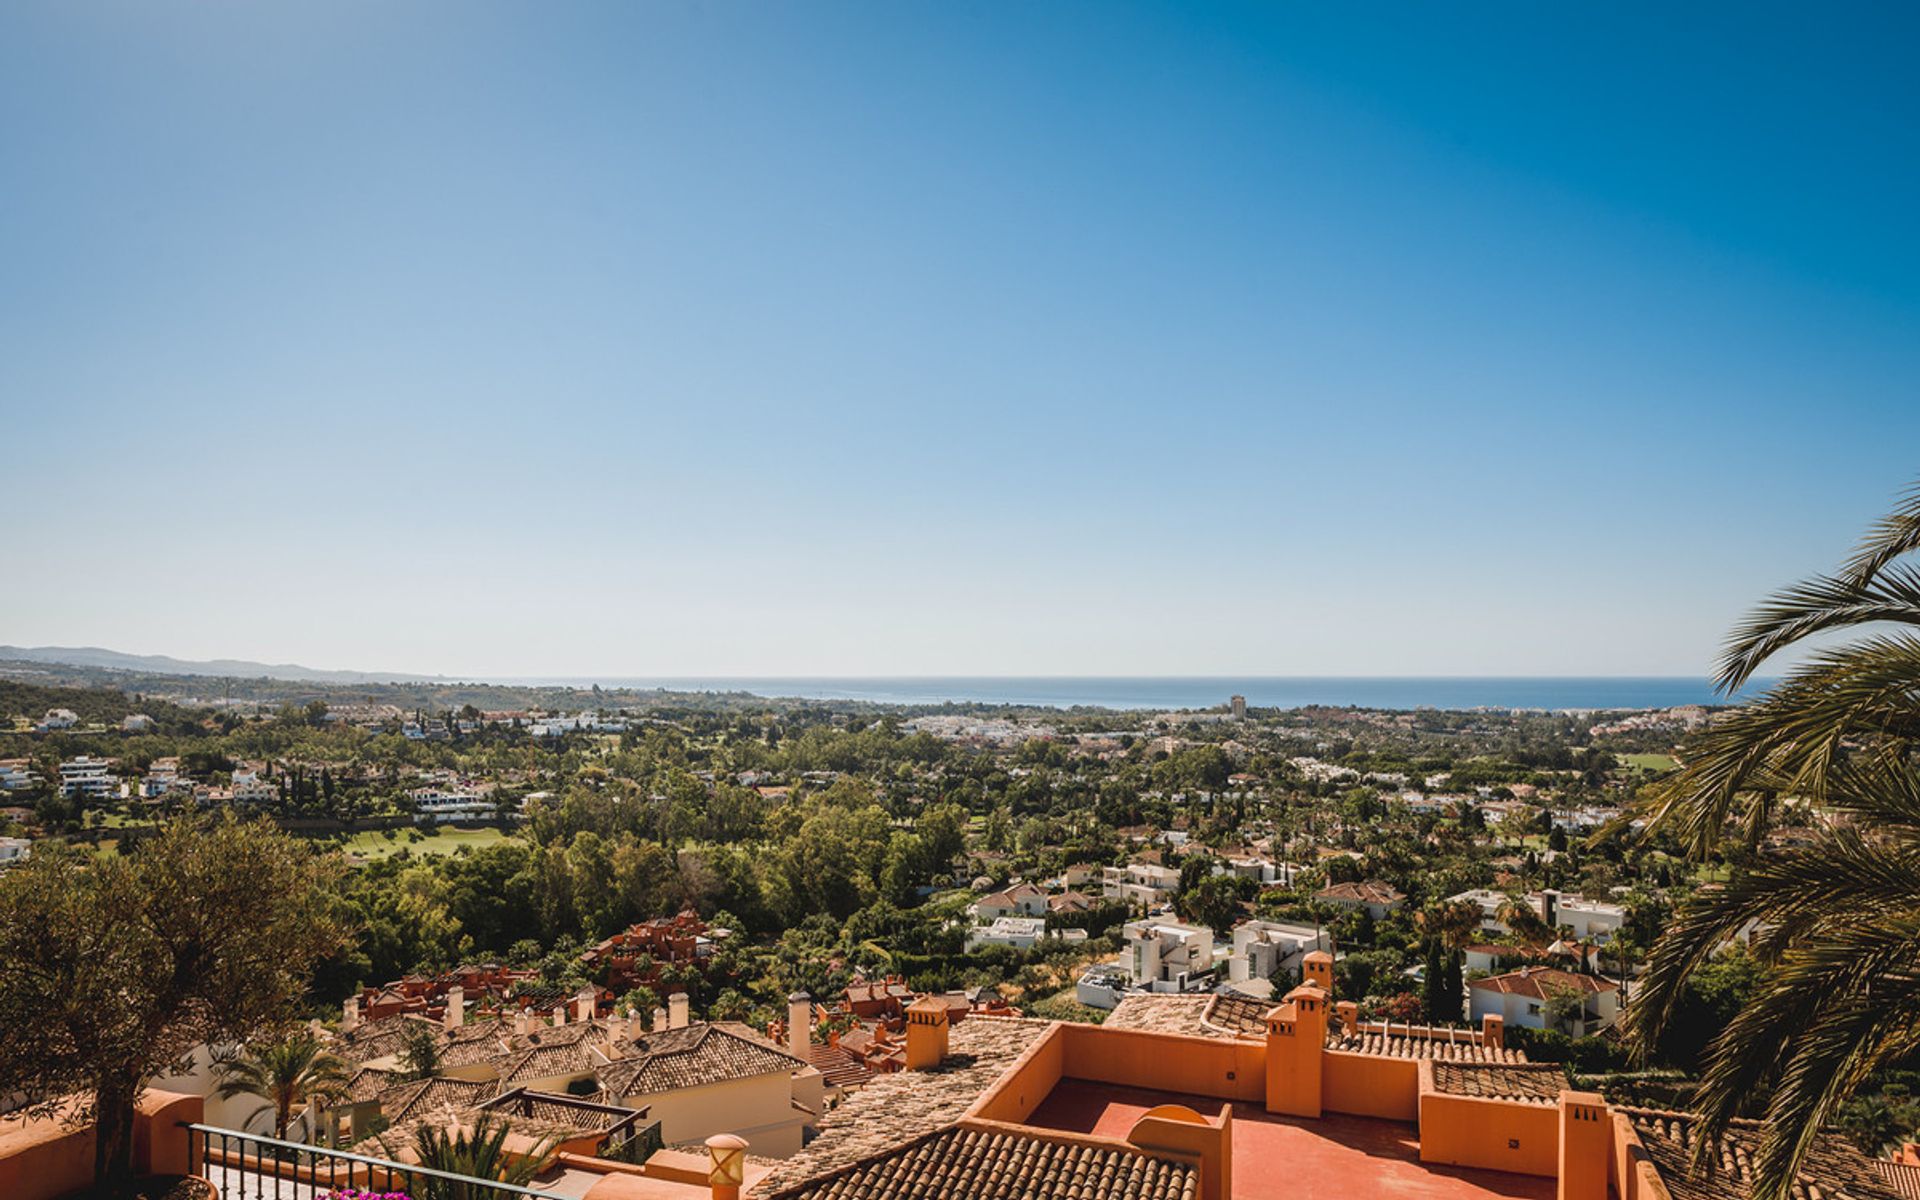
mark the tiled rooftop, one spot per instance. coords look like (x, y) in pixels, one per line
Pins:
(1172, 1013)
(699, 1054)
(901, 1107)
(1532, 1083)
(991, 1166)
(1834, 1169)
(1419, 1041)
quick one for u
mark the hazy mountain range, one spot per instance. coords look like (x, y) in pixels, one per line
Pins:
(161, 664)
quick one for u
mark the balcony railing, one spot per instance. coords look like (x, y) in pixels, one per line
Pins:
(249, 1166)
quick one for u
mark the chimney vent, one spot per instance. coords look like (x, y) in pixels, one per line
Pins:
(926, 1033)
(799, 1023)
(456, 1007)
(677, 1010)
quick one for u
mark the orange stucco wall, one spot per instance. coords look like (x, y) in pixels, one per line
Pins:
(1176, 1129)
(43, 1159)
(1219, 1068)
(1367, 1085)
(1467, 1131)
(1026, 1083)
(1630, 1173)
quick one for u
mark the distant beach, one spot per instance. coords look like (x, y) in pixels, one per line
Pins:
(1176, 692)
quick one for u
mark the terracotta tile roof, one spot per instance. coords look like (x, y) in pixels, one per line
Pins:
(1903, 1178)
(367, 1084)
(1421, 1041)
(1166, 1013)
(1533, 982)
(900, 1107)
(1371, 892)
(576, 1056)
(696, 1055)
(377, 1039)
(841, 1069)
(1834, 1170)
(1240, 1014)
(435, 1097)
(963, 1163)
(579, 1113)
(1532, 1083)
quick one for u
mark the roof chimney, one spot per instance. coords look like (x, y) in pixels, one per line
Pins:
(799, 1023)
(456, 1007)
(350, 1014)
(1349, 1014)
(1586, 1142)
(926, 1033)
(677, 1011)
(659, 1018)
(587, 1003)
(560, 1013)
(1318, 969)
(727, 1154)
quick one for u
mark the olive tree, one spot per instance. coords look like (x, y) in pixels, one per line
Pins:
(114, 968)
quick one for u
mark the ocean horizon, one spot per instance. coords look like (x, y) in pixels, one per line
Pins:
(1132, 692)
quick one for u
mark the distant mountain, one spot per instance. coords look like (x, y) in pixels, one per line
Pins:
(160, 664)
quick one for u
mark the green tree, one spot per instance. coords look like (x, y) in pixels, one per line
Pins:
(1839, 998)
(287, 1071)
(118, 967)
(420, 1056)
(478, 1151)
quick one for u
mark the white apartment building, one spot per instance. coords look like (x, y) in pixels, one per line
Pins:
(14, 850)
(87, 776)
(1262, 947)
(162, 777)
(1021, 933)
(58, 718)
(1140, 883)
(1169, 956)
(1590, 920)
(450, 804)
(16, 774)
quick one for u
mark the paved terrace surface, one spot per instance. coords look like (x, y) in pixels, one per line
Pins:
(1333, 1158)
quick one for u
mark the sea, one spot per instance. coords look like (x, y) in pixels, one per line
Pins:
(1548, 693)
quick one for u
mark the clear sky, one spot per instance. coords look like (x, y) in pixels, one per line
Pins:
(895, 338)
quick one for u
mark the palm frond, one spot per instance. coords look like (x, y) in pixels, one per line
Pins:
(1893, 535)
(1789, 741)
(1822, 603)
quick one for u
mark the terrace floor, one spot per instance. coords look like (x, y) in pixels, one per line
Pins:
(1333, 1158)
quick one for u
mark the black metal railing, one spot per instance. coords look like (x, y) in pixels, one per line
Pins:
(637, 1147)
(249, 1166)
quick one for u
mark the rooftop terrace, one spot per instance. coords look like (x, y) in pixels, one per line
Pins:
(1320, 1158)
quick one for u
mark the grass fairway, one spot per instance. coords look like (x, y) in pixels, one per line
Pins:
(443, 840)
(1657, 763)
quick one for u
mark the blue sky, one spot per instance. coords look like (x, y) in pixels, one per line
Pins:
(900, 338)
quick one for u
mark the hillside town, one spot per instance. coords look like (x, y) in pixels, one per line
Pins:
(640, 929)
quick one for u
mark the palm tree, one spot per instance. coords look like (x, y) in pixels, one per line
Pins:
(287, 1072)
(1527, 924)
(1455, 924)
(478, 1151)
(1839, 917)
